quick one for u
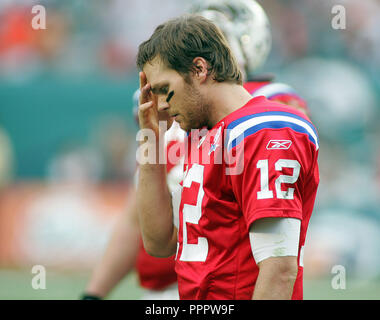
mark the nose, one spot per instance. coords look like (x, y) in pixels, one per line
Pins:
(162, 104)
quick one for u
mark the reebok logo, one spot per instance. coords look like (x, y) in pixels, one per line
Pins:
(278, 144)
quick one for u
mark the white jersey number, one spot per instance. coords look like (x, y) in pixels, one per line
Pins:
(264, 192)
(192, 214)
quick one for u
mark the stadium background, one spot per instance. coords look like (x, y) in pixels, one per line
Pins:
(67, 136)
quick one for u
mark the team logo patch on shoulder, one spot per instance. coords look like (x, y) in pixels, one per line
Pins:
(278, 144)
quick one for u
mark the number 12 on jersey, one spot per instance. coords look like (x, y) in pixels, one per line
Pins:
(264, 192)
(192, 214)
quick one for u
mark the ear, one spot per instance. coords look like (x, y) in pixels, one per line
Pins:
(200, 69)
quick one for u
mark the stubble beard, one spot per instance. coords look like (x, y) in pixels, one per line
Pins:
(197, 106)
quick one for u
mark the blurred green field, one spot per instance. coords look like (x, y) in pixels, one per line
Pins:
(16, 284)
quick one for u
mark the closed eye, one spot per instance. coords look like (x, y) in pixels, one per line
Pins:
(163, 90)
(160, 90)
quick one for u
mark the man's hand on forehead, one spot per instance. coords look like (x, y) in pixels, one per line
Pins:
(148, 114)
(145, 89)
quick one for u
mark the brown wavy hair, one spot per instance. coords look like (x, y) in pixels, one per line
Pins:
(178, 41)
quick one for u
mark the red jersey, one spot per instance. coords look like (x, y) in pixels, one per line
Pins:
(158, 273)
(155, 273)
(260, 161)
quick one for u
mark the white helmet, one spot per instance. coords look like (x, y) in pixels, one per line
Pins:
(244, 24)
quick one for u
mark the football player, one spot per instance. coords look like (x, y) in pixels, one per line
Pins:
(242, 223)
(247, 30)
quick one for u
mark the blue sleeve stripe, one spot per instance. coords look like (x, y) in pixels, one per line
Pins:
(250, 126)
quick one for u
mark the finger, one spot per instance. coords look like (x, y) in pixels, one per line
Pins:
(147, 115)
(143, 80)
(143, 88)
(145, 106)
(145, 95)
